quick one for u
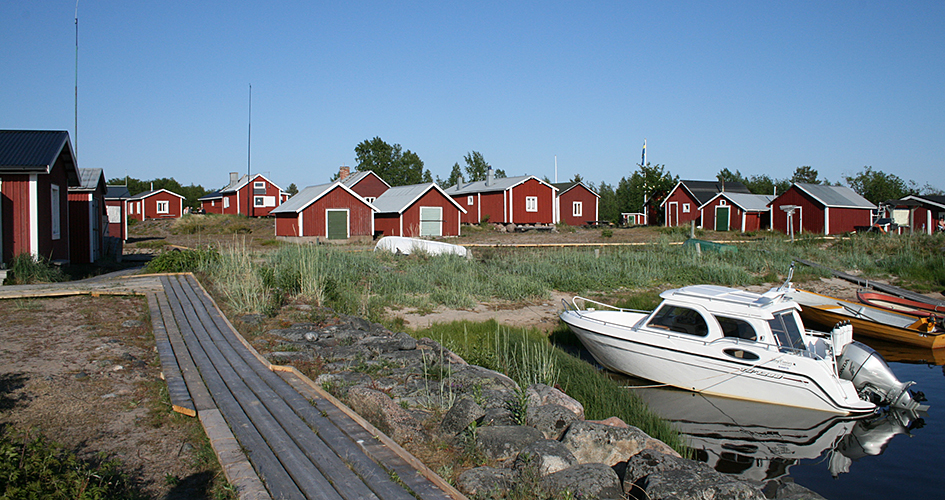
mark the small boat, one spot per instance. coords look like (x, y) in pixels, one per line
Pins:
(728, 342)
(869, 321)
(900, 304)
(406, 246)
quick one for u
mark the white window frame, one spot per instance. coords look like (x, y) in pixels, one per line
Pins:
(685, 208)
(259, 185)
(531, 203)
(226, 203)
(162, 206)
(56, 202)
(577, 209)
(470, 200)
(259, 201)
(370, 199)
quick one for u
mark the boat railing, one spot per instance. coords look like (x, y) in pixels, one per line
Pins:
(573, 306)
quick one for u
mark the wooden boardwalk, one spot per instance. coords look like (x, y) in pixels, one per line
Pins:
(277, 434)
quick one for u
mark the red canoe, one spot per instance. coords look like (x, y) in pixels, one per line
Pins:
(900, 305)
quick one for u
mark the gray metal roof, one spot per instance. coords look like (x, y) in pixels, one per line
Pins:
(310, 195)
(563, 187)
(141, 196)
(747, 202)
(835, 196)
(242, 181)
(399, 198)
(89, 179)
(117, 192)
(357, 177)
(211, 196)
(499, 184)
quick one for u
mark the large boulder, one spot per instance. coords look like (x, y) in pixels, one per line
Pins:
(544, 457)
(502, 442)
(379, 409)
(591, 442)
(552, 420)
(650, 475)
(541, 394)
(463, 413)
(481, 482)
(585, 481)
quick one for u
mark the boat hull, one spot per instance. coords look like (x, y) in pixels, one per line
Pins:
(691, 364)
(900, 305)
(825, 317)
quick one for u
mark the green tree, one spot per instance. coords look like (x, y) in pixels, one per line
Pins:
(607, 210)
(292, 189)
(878, 186)
(650, 182)
(806, 174)
(456, 176)
(577, 178)
(476, 166)
(391, 163)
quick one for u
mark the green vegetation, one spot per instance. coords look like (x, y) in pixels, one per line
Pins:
(182, 261)
(33, 467)
(26, 270)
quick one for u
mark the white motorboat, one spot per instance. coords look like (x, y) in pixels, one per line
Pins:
(739, 344)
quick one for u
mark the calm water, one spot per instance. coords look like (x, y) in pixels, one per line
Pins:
(888, 455)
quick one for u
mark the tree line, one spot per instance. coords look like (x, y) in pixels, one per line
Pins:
(645, 183)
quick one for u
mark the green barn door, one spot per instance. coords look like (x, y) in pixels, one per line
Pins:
(337, 224)
(721, 218)
(431, 221)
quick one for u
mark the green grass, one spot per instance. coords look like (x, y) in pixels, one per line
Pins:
(527, 357)
(25, 270)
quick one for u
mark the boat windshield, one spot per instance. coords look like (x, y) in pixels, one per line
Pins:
(785, 329)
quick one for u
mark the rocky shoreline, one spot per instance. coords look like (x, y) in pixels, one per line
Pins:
(533, 439)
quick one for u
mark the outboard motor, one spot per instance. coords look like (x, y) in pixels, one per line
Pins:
(873, 379)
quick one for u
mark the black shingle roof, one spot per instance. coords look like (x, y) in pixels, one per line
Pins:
(31, 150)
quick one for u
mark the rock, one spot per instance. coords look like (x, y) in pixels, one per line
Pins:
(463, 413)
(283, 357)
(132, 323)
(541, 394)
(252, 319)
(497, 416)
(379, 409)
(339, 383)
(695, 484)
(612, 421)
(440, 353)
(469, 377)
(592, 442)
(510, 227)
(544, 457)
(389, 343)
(593, 480)
(480, 481)
(502, 442)
(786, 489)
(551, 419)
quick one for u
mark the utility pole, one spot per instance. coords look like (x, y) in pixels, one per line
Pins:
(249, 144)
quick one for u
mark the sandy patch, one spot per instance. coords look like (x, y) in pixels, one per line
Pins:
(542, 315)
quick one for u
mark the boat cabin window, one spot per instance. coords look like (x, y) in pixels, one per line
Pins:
(785, 329)
(679, 319)
(732, 327)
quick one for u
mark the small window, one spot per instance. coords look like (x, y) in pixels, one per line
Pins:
(722, 203)
(370, 199)
(56, 215)
(259, 185)
(162, 207)
(732, 327)
(259, 201)
(469, 200)
(685, 208)
(226, 203)
(679, 319)
(786, 331)
(576, 209)
(531, 203)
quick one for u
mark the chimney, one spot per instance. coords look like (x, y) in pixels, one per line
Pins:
(234, 177)
(489, 176)
(343, 172)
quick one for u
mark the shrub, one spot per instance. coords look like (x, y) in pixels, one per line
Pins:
(181, 261)
(25, 270)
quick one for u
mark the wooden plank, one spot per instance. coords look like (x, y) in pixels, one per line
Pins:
(267, 465)
(374, 475)
(195, 385)
(181, 401)
(240, 400)
(894, 290)
(330, 465)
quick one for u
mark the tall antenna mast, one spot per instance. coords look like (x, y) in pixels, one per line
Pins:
(75, 133)
(556, 168)
(249, 144)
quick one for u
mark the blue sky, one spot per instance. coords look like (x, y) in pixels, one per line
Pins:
(759, 87)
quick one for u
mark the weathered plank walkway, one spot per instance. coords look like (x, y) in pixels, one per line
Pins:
(277, 435)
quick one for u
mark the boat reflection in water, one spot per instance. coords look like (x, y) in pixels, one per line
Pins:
(757, 441)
